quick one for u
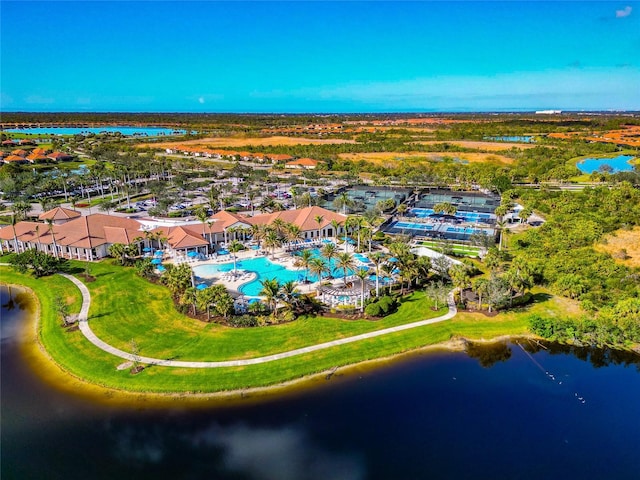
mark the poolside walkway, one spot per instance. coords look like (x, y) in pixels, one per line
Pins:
(83, 321)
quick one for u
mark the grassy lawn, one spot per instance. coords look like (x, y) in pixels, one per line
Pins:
(457, 249)
(125, 307)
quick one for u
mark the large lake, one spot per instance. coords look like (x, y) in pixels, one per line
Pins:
(126, 131)
(503, 413)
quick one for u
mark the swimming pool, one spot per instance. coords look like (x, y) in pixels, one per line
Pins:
(264, 269)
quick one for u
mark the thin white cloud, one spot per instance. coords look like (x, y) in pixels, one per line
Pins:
(201, 100)
(625, 12)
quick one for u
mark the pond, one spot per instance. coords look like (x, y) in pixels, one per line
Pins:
(502, 411)
(512, 138)
(611, 165)
(127, 131)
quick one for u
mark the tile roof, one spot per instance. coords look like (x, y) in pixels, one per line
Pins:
(303, 218)
(59, 213)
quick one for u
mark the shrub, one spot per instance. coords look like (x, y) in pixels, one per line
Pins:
(373, 310)
(243, 321)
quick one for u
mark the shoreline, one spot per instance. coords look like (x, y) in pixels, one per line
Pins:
(50, 372)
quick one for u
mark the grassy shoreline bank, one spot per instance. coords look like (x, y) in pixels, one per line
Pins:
(69, 362)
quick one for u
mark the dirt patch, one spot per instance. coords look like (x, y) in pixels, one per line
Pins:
(248, 141)
(623, 240)
(394, 158)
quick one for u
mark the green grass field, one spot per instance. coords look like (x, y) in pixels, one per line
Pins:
(125, 307)
(461, 250)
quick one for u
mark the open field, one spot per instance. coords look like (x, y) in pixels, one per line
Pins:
(623, 239)
(246, 141)
(629, 135)
(489, 146)
(390, 158)
(463, 250)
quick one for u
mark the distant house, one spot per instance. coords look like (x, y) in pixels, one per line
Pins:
(302, 164)
(279, 157)
(60, 156)
(20, 152)
(9, 143)
(15, 159)
(305, 218)
(35, 158)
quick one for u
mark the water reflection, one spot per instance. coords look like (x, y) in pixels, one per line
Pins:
(488, 354)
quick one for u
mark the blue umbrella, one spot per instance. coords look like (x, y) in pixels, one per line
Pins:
(201, 286)
(393, 260)
(254, 300)
(192, 254)
(156, 261)
(159, 253)
(161, 268)
(146, 249)
(222, 251)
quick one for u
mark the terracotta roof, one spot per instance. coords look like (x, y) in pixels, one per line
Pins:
(303, 162)
(34, 157)
(39, 151)
(224, 219)
(20, 152)
(183, 236)
(279, 157)
(9, 142)
(14, 158)
(58, 155)
(303, 218)
(59, 213)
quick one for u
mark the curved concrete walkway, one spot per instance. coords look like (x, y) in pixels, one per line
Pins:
(83, 321)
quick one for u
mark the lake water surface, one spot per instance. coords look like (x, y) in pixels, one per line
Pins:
(124, 130)
(616, 164)
(501, 413)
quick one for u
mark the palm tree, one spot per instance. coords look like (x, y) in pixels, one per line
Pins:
(39, 247)
(190, 297)
(319, 219)
(258, 233)
(343, 201)
(289, 294)
(378, 259)
(362, 274)
(345, 262)
(272, 241)
(14, 220)
(234, 248)
(303, 260)
(335, 224)
(329, 251)
(293, 233)
(53, 238)
(201, 214)
(318, 267)
(501, 225)
(270, 290)
(480, 286)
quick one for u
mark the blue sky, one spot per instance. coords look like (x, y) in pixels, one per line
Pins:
(319, 56)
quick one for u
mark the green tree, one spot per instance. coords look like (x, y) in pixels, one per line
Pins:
(345, 262)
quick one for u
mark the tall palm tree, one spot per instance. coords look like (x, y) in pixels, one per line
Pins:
(258, 233)
(293, 233)
(329, 251)
(270, 290)
(272, 241)
(501, 225)
(289, 294)
(39, 247)
(345, 262)
(303, 260)
(378, 259)
(318, 267)
(234, 248)
(319, 219)
(14, 220)
(335, 224)
(53, 237)
(362, 274)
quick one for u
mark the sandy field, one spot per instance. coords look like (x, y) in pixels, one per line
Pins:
(629, 135)
(627, 239)
(393, 157)
(242, 141)
(491, 146)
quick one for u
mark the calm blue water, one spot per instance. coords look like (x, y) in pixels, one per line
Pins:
(265, 269)
(522, 139)
(617, 164)
(428, 416)
(127, 131)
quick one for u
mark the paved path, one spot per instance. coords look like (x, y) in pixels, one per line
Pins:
(83, 320)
